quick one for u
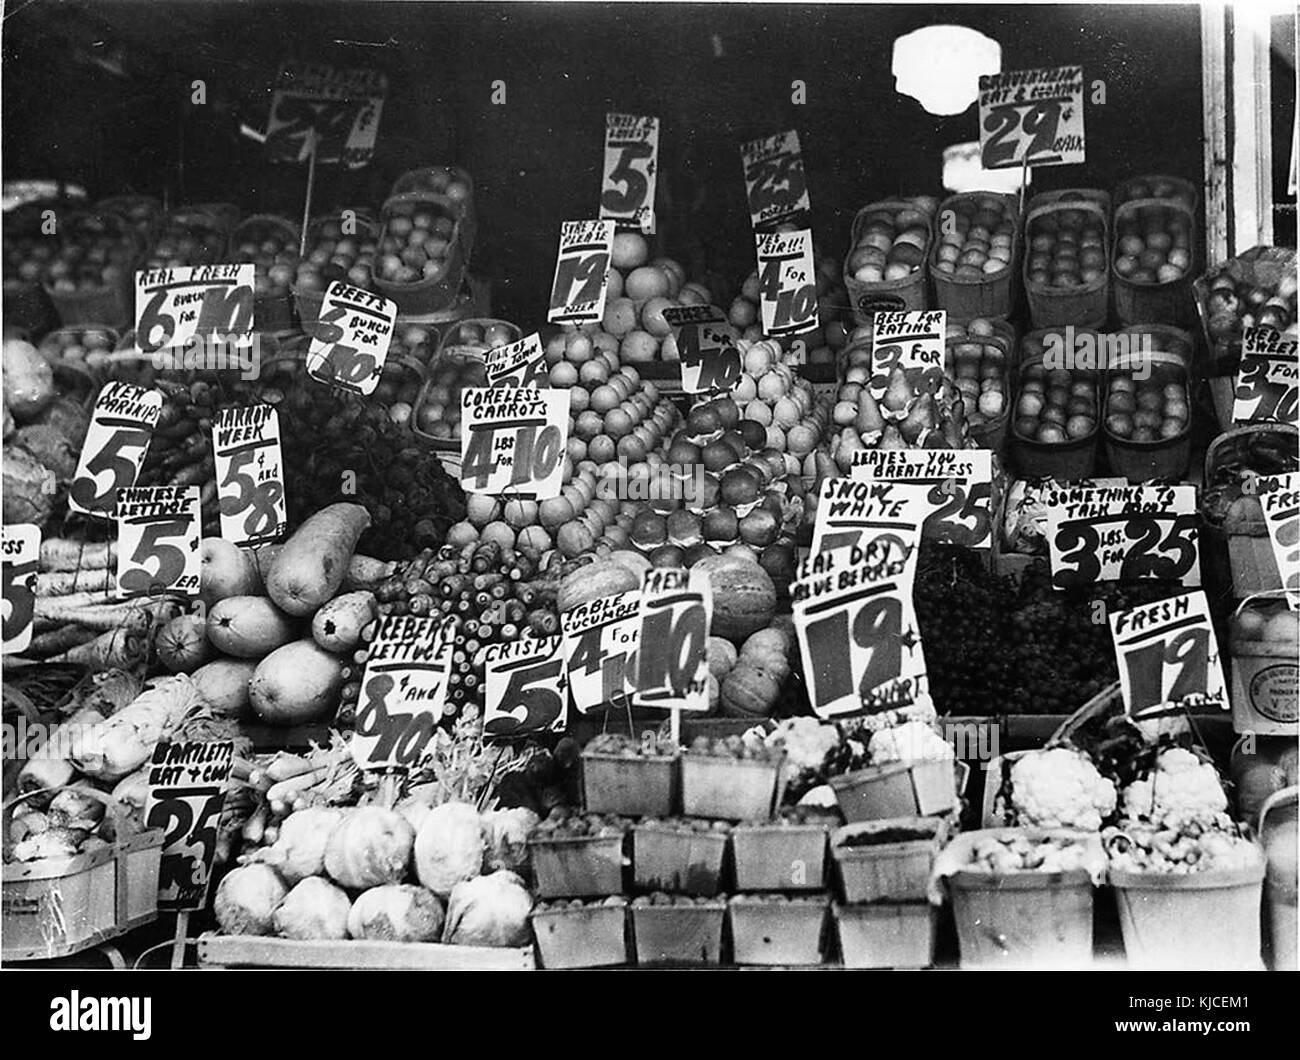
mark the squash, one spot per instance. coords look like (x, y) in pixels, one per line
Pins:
(227, 570)
(295, 684)
(223, 684)
(183, 644)
(599, 578)
(314, 561)
(337, 626)
(248, 627)
(744, 598)
(369, 847)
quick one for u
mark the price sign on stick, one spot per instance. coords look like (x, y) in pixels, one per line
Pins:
(116, 442)
(403, 690)
(187, 791)
(1268, 382)
(159, 530)
(351, 340)
(250, 474)
(512, 441)
(787, 282)
(1032, 117)
(600, 639)
(340, 107)
(912, 341)
(627, 193)
(672, 667)
(526, 688)
(1167, 655)
(581, 272)
(1279, 496)
(774, 178)
(857, 630)
(182, 306)
(853, 512)
(706, 344)
(1123, 534)
(20, 550)
(959, 482)
(521, 363)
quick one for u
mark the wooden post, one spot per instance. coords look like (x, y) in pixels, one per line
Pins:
(180, 938)
(1216, 119)
(311, 185)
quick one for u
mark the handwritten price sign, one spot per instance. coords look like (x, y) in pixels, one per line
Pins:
(521, 363)
(853, 512)
(403, 691)
(339, 109)
(960, 488)
(177, 307)
(20, 550)
(1268, 382)
(250, 474)
(581, 272)
(774, 178)
(706, 344)
(854, 603)
(787, 282)
(526, 690)
(672, 668)
(600, 637)
(1279, 496)
(187, 791)
(117, 440)
(1123, 534)
(1033, 116)
(351, 341)
(159, 529)
(627, 193)
(912, 341)
(1167, 655)
(512, 441)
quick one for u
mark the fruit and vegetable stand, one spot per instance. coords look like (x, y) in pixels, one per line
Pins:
(925, 600)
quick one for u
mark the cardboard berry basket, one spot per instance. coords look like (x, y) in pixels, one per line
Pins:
(678, 859)
(886, 934)
(427, 294)
(780, 857)
(781, 932)
(895, 871)
(728, 788)
(577, 866)
(900, 789)
(583, 936)
(680, 933)
(630, 786)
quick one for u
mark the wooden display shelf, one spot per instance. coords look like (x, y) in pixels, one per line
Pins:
(252, 951)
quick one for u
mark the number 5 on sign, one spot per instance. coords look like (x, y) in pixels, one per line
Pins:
(526, 688)
(631, 164)
(1167, 654)
(672, 668)
(159, 529)
(787, 282)
(121, 428)
(250, 479)
(20, 549)
(351, 341)
(581, 272)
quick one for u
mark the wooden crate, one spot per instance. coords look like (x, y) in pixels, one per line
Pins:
(252, 951)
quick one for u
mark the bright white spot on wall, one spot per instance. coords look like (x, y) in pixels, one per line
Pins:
(940, 66)
(962, 171)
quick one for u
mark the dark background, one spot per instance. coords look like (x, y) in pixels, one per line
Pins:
(536, 160)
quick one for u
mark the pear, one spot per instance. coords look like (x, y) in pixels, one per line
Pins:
(937, 439)
(850, 443)
(825, 465)
(898, 393)
(891, 438)
(952, 435)
(924, 414)
(869, 418)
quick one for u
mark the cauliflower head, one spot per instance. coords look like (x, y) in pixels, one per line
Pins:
(1060, 788)
(807, 741)
(1181, 788)
(913, 741)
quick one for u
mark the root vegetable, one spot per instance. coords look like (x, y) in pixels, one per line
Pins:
(121, 647)
(67, 582)
(338, 624)
(62, 554)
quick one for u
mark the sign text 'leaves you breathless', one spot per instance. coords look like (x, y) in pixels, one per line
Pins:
(20, 551)
(1168, 656)
(350, 342)
(177, 307)
(627, 194)
(339, 109)
(403, 690)
(960, 488)
(787, 282)
(600, 643)
(706, 345)
(1032, 117)
(186, 794)
(513, 441)
(774, 179)
(159, 532)
(121, 428)
(1268, 382)
(1279, 496)
(856, 625)
(250, 474)
(910, 341)
(1124, 533)
(581, 272)
(526, 688)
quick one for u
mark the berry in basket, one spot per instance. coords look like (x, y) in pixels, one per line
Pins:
(976, 240)
(663, 898)
(563, 823)
(735, 747)
(1056, 406)
(893, 834)
(1154, 245)
(416, 244)
(1067, 249)
(1004, 854)
(612, 743)
(333, 255)
(614, 901)
(688, 824)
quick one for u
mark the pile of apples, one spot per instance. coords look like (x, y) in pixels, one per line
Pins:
(976, 240)
(1055, 406)
(184, 240)
(830, 336)
(1235, 304)
(441, 180)
(977, 363)
(79, 347)
(438, 413)
(638, 293)
(1066, 249)
(334, 255)
(93, 252)
(416, 243)
(1156, 188)
(1154, 245)
(892, 243)
(770, 394)
(274, 255)
(1147, 410)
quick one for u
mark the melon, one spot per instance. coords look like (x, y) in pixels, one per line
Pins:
(749, 692)
(295, 684)
(602, 577)
(744, 598)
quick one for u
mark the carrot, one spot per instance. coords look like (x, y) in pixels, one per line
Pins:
(119, 648)
(65, 582)
(64, 554)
